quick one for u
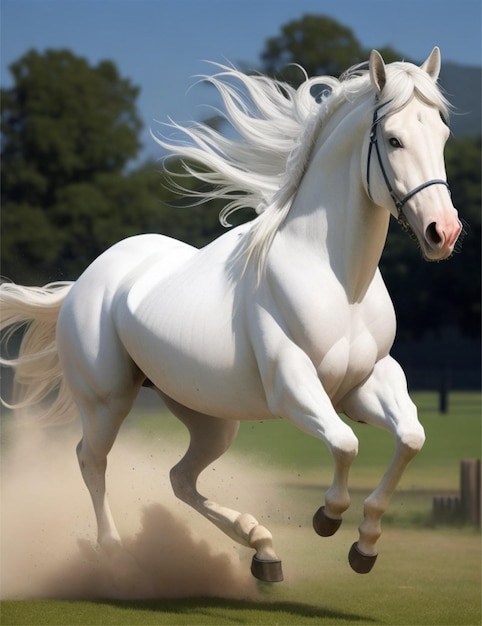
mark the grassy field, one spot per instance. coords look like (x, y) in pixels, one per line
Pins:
(424, 578)
(425, 574)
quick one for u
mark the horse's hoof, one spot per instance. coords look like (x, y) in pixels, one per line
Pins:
(360, 563)
(325, 526)
(267, 571)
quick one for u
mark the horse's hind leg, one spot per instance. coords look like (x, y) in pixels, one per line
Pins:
(210, 438)
(103, 381)
(101, 421)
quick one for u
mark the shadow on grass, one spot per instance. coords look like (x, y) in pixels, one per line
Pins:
(235, 611)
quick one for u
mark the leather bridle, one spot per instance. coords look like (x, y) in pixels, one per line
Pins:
(399, 202)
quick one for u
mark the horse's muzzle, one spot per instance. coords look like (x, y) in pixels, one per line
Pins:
(440, 240)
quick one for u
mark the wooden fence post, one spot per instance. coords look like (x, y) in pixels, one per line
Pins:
(444, 388)
(470, 490)
(464, 507)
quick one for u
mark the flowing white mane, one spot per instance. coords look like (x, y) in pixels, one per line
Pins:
(277, 126)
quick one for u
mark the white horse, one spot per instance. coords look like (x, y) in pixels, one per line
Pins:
(286, 316)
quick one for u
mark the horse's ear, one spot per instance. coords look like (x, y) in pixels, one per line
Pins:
(432, 64)
(377, 70)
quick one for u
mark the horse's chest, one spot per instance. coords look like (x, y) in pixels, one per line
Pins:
(347, 362)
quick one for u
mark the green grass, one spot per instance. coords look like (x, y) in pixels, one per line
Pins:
(423, 576)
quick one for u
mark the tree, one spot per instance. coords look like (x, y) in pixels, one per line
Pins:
(65, 127)
(67, 119)
(320, 44)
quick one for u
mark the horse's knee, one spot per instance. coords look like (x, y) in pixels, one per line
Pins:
(344, 446)
(411, 440)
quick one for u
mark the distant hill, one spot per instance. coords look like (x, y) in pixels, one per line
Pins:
(462, 86)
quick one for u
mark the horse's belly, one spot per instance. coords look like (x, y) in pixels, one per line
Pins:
(205, 372)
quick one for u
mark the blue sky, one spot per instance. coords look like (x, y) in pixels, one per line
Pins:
(161, 44)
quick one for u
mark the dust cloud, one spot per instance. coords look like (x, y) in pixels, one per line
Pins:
(48, 529)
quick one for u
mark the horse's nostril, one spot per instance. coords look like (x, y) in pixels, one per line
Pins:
(432, 234)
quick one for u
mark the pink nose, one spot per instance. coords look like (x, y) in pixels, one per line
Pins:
(441, 238)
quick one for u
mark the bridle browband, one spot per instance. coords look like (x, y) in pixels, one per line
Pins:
(399, 202)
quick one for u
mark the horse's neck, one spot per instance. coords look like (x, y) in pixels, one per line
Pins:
(333, 216)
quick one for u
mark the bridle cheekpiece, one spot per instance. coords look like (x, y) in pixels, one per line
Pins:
(399, 202)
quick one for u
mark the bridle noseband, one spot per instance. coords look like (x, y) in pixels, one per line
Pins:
(399, 202)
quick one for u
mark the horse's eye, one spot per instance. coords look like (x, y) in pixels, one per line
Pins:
(394, 142)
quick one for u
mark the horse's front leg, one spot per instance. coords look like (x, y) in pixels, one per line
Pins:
(294, 391)
(383, 401)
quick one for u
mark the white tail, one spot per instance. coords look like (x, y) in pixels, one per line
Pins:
(38, 374)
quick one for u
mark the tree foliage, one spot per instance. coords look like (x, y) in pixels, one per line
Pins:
(65, 121)
(68, 131)
(320, 44)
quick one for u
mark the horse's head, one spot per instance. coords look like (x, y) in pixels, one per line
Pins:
(405, 169)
